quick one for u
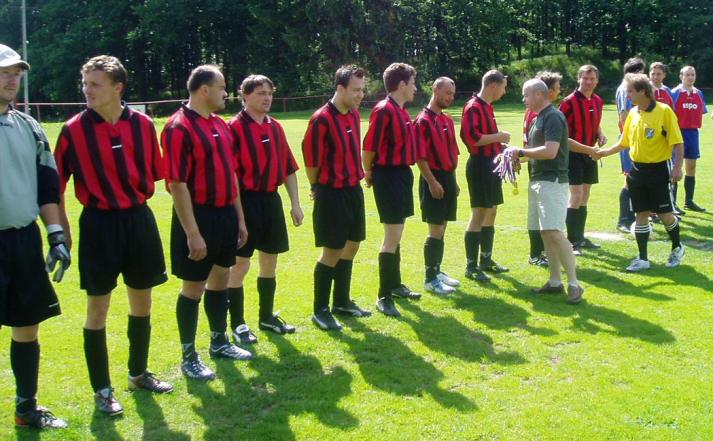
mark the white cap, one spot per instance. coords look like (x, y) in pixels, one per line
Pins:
(9, 57)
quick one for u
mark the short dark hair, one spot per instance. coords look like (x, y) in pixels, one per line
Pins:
(111, 65)
(251, 82)
(493, 76)
(658, 65)
(587, 68)
(634, 65)
(549, 78)
(640, 82)
(345, 73)
(396, 73)
(203, 75)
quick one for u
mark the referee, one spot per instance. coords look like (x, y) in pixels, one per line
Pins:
(332, 152)
(29, 186)
(113, 154)
(389, 153)
(438, 189)
(207, 221)
(264, 162)
(650, 132)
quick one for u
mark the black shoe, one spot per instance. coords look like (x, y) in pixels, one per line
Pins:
(477, 275)
(352, 309)
(148, 381)
(386, 306)
(692, 206)
(677, 211)
(325, 320)
(588, 244)
(39, 418)
(107, 403)
(490, 266)
(193, 367)
(229, 351)
(577, 249)
(242, 335)
(624, 228)
(404, 292)
(277, 325)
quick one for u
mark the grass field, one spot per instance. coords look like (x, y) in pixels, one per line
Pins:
(633, 361)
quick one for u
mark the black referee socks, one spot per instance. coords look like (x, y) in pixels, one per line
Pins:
(97, 358)
(674, 232)
(266, 287)
(432, 256)
(472, 246)
(187, 319)
(323, 275)
(25, 362)
(216, 309)
(642, 233)
(236, 306)
(139, 333)
(342, 282)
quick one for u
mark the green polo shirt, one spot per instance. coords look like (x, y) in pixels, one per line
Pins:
(550, 125)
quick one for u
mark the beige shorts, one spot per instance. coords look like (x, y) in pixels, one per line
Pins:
(547, 205)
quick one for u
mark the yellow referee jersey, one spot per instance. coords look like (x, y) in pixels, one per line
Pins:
(651, 134)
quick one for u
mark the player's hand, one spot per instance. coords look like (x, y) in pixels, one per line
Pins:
(676, 175)
(58, 253)
(504, 137)
(197, 249)
(242, 235)
(367, 178)
(602, 140)
(297, 215)
(436, 190)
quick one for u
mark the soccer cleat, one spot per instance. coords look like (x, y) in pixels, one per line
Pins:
(277, 325)
(39, 418)
(436, 286)
(229, 351)
(677, 211)
(490, 266)
(588, 244)
(692, 206)
(242, 335)
(637, 265)
(574, 294)
(386, 306)
(193, 367)
(477, 275)
(148, 381)
(107, 403)
(539, 261)
(549, 289)
(404, 292)
(576, 250)
(624, 228)
(450, 281)
(674, 259)
(352, 309)
(325, 320)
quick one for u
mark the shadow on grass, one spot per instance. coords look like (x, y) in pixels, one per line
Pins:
(389, 365)
(26, 434)
(155, 426)
(103, 427)
(619, 286)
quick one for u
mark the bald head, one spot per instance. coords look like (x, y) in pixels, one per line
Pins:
(442, 82)
(444, 91)
(535, 85)
(535, 95)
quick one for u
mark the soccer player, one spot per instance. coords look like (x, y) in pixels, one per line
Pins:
(29, 186)
(583, 110)
(438, 190)
(264, 162)
(480, 133)
(208, 224)
(689, 105)
(388, 154)
(113, 153)
(332, 152)
(623, 106)
(650, 132)
(548, 149)
(552, 80)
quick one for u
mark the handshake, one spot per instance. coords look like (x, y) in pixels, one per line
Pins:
(598, 152)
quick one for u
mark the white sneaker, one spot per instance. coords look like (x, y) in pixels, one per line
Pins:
(674, 259)
(437, 287)
(638, 265)
(446, 279)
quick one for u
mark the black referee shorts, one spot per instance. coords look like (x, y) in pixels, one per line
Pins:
(338, 216)
(484, 187)
(393, 192)
(113, 242)
(582, 169)
(265, 221)
(438, 211)
(649, 187)
(219, 228)
(26, 294)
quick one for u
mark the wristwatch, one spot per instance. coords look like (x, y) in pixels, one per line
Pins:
(521, 153)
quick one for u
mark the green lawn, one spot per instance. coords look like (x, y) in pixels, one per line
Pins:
(490, 362)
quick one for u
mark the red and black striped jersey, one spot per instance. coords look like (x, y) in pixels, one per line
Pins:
(200, 152)
(436, 140)
(583, 116)
(477, 120)
(390, 134)
(530, 117)
(114, 165)
(263, 156)
(332, 145)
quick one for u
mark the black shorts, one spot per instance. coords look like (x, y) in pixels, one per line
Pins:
(484, 186)
(393, 192)
(649, 187)
(582, 169)
(219, 228)
(113, 242)
(338, 216)
(438, 211)
(26, 294)
(265, 221)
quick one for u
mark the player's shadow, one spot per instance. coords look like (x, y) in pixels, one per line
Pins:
(451, 338)
(155, 426)
(26, 434)
(388, 365)
(592, 318)
(618, 285)
(103, 427)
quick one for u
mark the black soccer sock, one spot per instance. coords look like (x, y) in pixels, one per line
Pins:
(236, 307)
(642, 240)
(397, 267)
(472, 245)
(571, 222)
(25, 362)
(323, 275)
(97, 358)
(216, 310)
(342, 282)
(430, 257)
(582, 227)
(387, 266)
(187, 319)
(487, 237)
(674, 192)
(139, 333)
(266, 287)
(674, 232)
(536, 244)
(626, 216)
(689, 185)
(440, 247)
